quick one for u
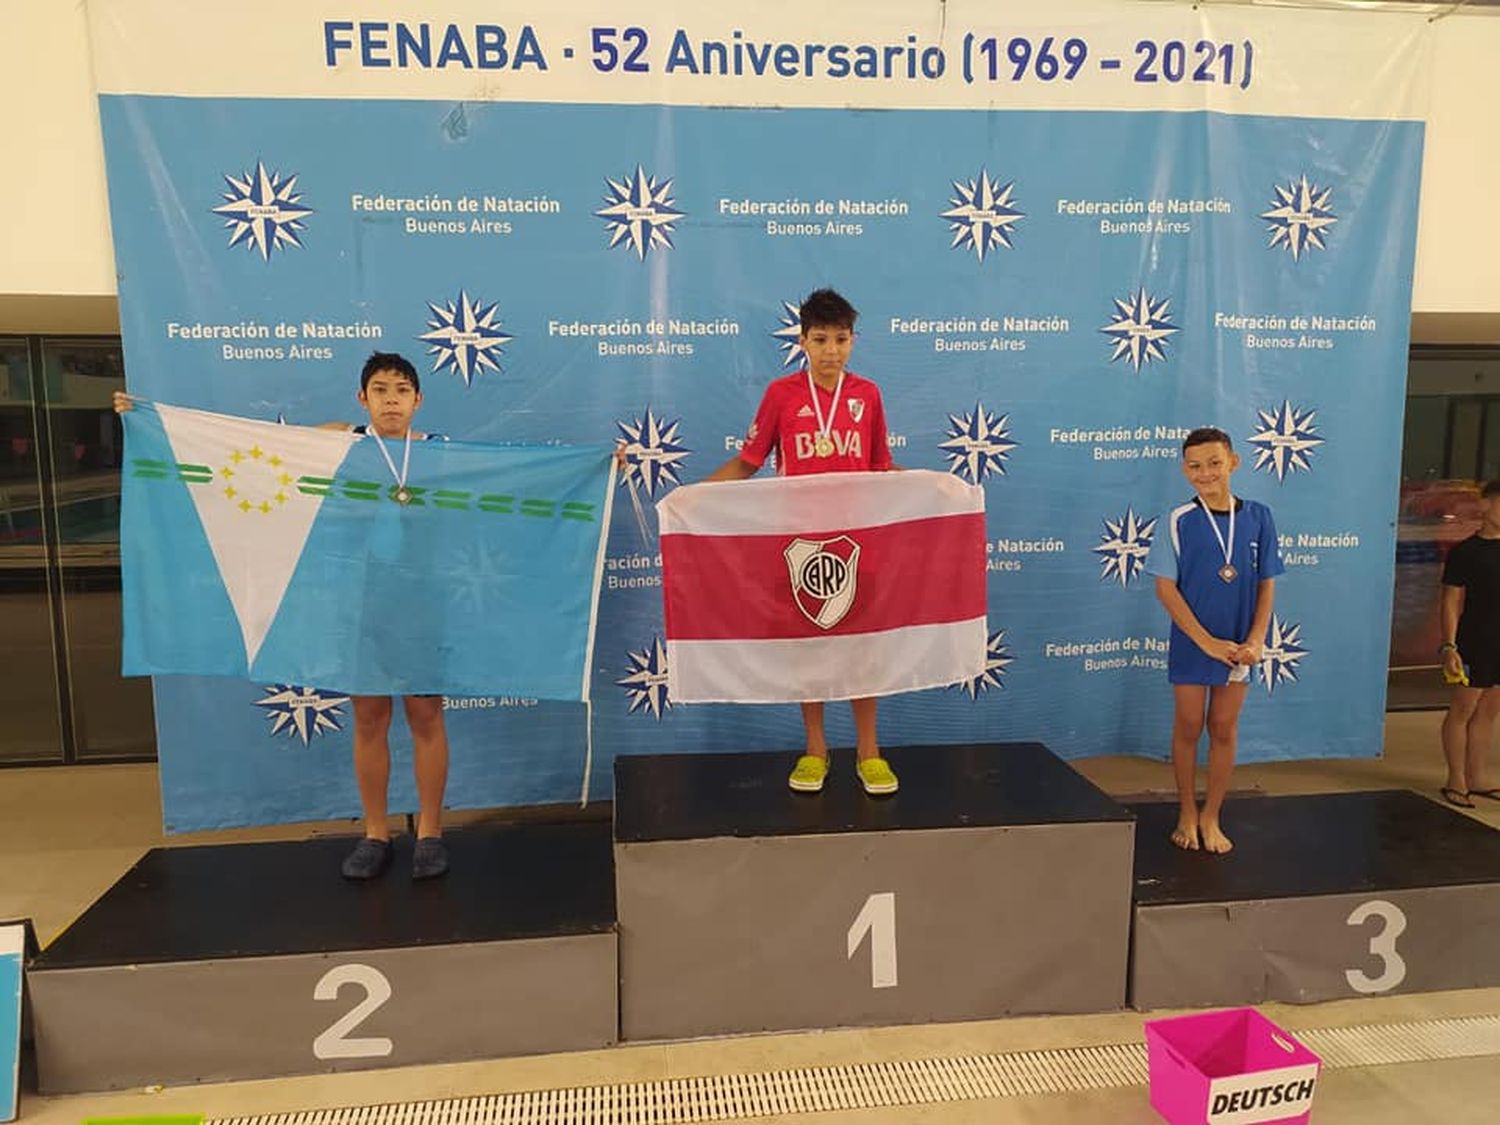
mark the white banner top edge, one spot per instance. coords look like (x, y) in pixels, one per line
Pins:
(1080, 55)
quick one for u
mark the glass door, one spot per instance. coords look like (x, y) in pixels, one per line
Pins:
(30, 685)
(111, 715)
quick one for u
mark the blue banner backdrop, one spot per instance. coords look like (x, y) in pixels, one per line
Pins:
(1049, 299)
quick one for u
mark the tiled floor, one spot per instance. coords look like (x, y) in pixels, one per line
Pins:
(67, 834)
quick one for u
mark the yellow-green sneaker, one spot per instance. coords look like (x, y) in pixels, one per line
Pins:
(876, 776)
(809, 773)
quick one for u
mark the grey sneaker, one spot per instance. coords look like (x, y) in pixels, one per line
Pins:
(429, 858)
(368, 859)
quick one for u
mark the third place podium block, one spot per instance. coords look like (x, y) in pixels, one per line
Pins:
(996, 882)
(1325, 896)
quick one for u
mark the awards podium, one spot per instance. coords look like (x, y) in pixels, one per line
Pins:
(997, 882)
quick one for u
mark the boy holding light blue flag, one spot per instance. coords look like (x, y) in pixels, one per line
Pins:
(358, 558)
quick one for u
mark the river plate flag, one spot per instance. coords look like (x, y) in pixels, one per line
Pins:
(831, 586)
(282, 554)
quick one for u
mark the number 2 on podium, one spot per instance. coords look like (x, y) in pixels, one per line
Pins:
(878, 919)
(335, 1043)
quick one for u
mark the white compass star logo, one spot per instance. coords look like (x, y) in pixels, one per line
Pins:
(982, 215)
(977, 444)
(653, 452)
(263, 211)
(646, 682)
(478, 578)
(1285, 440)
(301, 712)
(1299, 217)
(465, 336)
(1140, 328)
(997, 658)
(1123, 547)
(639, 212)
(1282, 654)
(789, 336)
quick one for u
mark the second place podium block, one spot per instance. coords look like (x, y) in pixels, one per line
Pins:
(241, 961)
(996, 882)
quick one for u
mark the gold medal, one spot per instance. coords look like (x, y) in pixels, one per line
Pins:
(823, 442)
(403, 496)
(1228, 573)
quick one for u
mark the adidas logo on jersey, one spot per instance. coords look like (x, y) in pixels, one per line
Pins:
(805, 412)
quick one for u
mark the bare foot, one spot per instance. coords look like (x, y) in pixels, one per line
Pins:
(1214, 839)
(1185, 836)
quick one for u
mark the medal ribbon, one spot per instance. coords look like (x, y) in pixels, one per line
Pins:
(1226, 546)
(386, 453)
(812, 388)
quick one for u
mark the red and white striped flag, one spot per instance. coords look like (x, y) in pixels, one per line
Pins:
(828, 586)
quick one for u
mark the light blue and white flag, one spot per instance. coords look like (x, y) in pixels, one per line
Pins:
(284, 554)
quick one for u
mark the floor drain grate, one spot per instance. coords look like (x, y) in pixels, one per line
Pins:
(725, 1097)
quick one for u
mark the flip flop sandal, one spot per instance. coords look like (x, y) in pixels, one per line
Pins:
(1488, 794)
(1459, 799)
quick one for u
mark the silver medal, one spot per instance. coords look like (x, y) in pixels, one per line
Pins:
(400, 494)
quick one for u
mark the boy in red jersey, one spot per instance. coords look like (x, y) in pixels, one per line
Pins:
(823, 419)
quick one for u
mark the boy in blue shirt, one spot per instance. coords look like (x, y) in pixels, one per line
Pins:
(1215, 560)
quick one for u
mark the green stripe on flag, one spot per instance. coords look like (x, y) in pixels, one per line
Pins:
(495, 502)
(544, 508)
(574, 510)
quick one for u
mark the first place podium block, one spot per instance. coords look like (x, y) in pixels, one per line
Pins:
(1324, 897)
(244, 961)
(996, 882)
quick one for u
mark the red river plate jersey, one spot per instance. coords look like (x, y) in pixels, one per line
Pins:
(788, 423)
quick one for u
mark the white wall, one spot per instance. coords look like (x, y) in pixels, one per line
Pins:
(54, 227)
(1458, 239)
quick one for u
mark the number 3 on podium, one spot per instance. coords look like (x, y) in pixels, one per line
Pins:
(1382, 945)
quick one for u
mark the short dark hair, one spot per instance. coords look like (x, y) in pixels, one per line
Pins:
(1491, 488)
(389, 361)
(825, 308)
(1207, 435)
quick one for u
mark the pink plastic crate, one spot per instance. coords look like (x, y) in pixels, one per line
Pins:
(1229, 1068)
